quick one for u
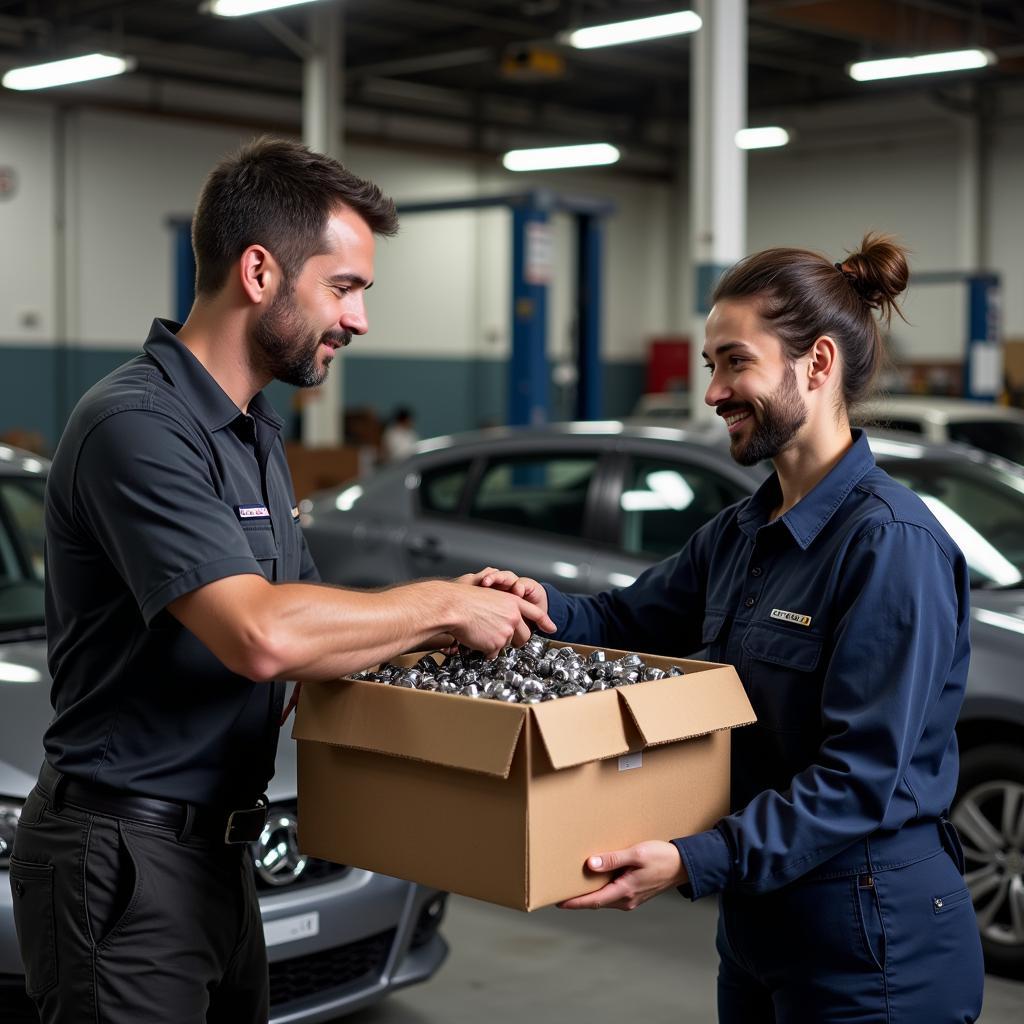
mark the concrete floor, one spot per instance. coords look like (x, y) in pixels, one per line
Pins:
(655, 966)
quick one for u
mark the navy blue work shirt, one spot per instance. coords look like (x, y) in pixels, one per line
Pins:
(847, 622)
(160, 484)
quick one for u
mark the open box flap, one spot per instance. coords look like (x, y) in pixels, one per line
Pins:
(474, 735)
(681, 707)
(576, 730)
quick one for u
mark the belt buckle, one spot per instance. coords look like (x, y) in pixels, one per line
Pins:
(246, 826)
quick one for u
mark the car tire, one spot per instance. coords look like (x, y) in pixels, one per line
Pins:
(989, 815)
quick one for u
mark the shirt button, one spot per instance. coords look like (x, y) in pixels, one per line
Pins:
(756, 571)
(750, 602)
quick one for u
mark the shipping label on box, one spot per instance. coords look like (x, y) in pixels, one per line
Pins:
(504, 802)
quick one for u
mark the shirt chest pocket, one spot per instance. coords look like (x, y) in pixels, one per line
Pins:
(713, 635)
(263, 545)
(780, 671)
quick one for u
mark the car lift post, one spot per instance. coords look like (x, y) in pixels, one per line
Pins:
(529, 376)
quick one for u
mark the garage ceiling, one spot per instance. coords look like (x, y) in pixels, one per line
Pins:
(494, 73)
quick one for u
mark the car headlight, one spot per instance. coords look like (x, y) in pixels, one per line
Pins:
(10, 812)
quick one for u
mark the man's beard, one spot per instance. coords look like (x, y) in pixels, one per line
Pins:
(783, 413)
(287, 345)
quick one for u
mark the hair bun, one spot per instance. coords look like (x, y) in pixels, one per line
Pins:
(879, 272)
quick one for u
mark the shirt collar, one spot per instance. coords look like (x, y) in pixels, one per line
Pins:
(806, 519)
(210, 401)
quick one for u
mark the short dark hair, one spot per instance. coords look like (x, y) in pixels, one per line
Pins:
(802, 295)
(280, 194)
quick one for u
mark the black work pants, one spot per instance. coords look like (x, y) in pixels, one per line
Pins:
(121, 922)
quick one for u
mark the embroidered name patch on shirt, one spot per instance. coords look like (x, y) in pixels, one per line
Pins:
(249, 512)
(800, 620)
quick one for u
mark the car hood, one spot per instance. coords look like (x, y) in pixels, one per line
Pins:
(1001, 609)
(25, 712)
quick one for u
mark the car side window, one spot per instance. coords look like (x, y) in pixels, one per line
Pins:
(1005, 439)
(980, 508)
(663, 503)
(441, 489)
(23, 507)
(546, 493)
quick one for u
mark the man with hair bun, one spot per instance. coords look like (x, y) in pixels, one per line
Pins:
(843, 604)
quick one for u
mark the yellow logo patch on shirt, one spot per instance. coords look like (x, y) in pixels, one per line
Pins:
(796, 617)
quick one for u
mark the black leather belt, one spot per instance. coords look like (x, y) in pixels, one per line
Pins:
(212, 823)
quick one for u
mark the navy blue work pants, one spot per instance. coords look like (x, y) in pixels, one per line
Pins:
(885, 932)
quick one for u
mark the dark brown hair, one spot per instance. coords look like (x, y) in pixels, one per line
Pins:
(279, 194)
(802, 295)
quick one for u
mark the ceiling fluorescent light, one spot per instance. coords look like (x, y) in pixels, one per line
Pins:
(550, 158)
(635, 31)
(66, 72)
(238, 8)
(761, 138)
(923, 64)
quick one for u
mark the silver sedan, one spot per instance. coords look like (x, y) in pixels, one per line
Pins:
(588, 506)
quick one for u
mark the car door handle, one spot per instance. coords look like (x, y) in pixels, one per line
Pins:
(425, 546)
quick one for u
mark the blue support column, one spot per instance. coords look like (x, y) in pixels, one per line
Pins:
(589, 369)
(983, 365)
(531, 268)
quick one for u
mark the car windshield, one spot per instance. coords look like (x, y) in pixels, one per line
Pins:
(982, 509)
(1004, 439)
(21, 552)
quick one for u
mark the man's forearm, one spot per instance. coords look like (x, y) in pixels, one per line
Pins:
(333, 632)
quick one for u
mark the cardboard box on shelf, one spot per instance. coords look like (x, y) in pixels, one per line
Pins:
(504, 802)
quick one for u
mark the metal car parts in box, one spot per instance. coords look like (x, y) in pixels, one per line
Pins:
(505, 801)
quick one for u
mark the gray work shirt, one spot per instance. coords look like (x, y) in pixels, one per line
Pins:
(160, 485)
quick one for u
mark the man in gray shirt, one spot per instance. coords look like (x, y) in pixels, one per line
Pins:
(180, 592)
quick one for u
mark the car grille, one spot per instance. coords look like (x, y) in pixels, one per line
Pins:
(304, 976)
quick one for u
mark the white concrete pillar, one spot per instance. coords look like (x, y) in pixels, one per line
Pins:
(969, 188)
(322, 126)
(718, 167)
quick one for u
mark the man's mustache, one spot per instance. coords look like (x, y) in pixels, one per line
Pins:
(339, 338)
(728, 410)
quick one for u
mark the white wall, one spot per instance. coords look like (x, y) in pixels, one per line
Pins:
(127, 176)
(443, 283)
(27, 227)
(827, 199)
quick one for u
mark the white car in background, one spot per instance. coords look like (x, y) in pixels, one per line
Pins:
(661, 408)
(997, 429)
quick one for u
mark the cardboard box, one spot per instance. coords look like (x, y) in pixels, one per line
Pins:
(504, 802)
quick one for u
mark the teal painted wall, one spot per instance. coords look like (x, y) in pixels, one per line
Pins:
(40, 384)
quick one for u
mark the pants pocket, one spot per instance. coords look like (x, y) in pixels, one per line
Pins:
(943, 904)
(111, 880)
(32, 889)
(869, 913)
